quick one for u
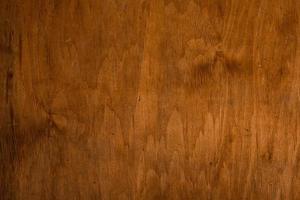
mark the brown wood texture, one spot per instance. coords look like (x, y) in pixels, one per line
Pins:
(149, 99)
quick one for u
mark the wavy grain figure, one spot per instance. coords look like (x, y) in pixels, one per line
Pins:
(149, 100)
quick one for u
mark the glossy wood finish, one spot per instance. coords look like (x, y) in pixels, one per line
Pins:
(149, 99)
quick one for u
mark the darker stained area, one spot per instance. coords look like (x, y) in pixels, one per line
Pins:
(9, 142)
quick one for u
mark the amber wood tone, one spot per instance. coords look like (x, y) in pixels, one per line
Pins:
(149, 99)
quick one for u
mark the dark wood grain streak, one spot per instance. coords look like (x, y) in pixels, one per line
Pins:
(140, 99)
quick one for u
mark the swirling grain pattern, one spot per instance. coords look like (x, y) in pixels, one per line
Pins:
(149, 99)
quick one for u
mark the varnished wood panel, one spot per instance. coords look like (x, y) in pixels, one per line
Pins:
(149, 99)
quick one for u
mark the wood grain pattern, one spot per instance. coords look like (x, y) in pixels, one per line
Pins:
(149, 99)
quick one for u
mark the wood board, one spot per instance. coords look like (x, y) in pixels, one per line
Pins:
(149, 99)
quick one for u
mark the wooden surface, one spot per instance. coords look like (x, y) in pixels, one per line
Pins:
(149, 99)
